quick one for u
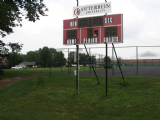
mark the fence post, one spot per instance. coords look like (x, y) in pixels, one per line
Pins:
(137, 58)
(68, 61)
(91, 61)
(61, 62)
(83, 62)
(112, 62)
(99, 61)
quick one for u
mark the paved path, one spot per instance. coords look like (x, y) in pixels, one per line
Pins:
(127, 71)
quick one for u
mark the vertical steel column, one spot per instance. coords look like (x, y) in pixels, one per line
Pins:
(61, 62)
(68, 61)
(84, 62)
(90, 65)
(77, 71)
(50, 62)
(99, 61)
(106, 67)
(113, 62)
(95, 63)
(106, 71)
(137, 58)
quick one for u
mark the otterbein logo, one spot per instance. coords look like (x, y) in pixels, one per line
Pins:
(77, 11)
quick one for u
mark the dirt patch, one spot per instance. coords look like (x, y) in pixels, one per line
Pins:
(5, 82)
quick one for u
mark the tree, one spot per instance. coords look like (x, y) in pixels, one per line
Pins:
(3, 50)
(108, 60)
(18, 58)
(59, 59)
(71, 58)
(11, 12)
(44, 56)
(37, 56)
(33, 56)
(84, 59)
(30, 56)
(15, 48)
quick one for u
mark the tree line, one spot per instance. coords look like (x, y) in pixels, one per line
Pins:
(44, 57)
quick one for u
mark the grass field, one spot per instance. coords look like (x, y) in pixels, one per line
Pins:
(10, 73)
(52, 97)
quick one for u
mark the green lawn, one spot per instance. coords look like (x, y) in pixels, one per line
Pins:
(10, 73)
(52, 97)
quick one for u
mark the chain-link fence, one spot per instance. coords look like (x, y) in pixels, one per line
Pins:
(132, 59)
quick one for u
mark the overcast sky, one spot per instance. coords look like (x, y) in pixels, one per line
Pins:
(141, 22)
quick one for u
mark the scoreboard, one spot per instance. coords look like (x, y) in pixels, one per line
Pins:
(93, 30)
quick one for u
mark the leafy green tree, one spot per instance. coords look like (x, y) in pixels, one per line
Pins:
(45, 56)
(59, 59)
(33, 56)
(37, 57)
(18, 59)
(108, 60)
(15, 48)
(84, 59)
(3, 50)
(30, 56)
(71, 58)
(11, 12)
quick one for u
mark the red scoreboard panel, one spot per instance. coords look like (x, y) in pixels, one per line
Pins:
(93, 30)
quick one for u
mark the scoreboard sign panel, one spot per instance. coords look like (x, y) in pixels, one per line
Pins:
(93, 30)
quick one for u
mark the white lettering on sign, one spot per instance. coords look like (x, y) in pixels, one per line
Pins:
(90, 40)
(71, 41)
(108, 20)
(110, 39)
(73, 23)
(92, 9)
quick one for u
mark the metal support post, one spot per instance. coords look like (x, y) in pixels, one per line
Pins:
(50, 62)
(118, 62)
(84, 62)
(112, 61)
(91, 64)
(90, 61)
(61, 62)
(77, 71)
(68, 61)
(137, 58)
(106, 71)
(106, 67)
(99, 61)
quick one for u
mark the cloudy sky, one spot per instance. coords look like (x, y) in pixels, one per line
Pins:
(141, 22)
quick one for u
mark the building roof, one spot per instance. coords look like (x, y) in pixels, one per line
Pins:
(147, 55)
(28, 63)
